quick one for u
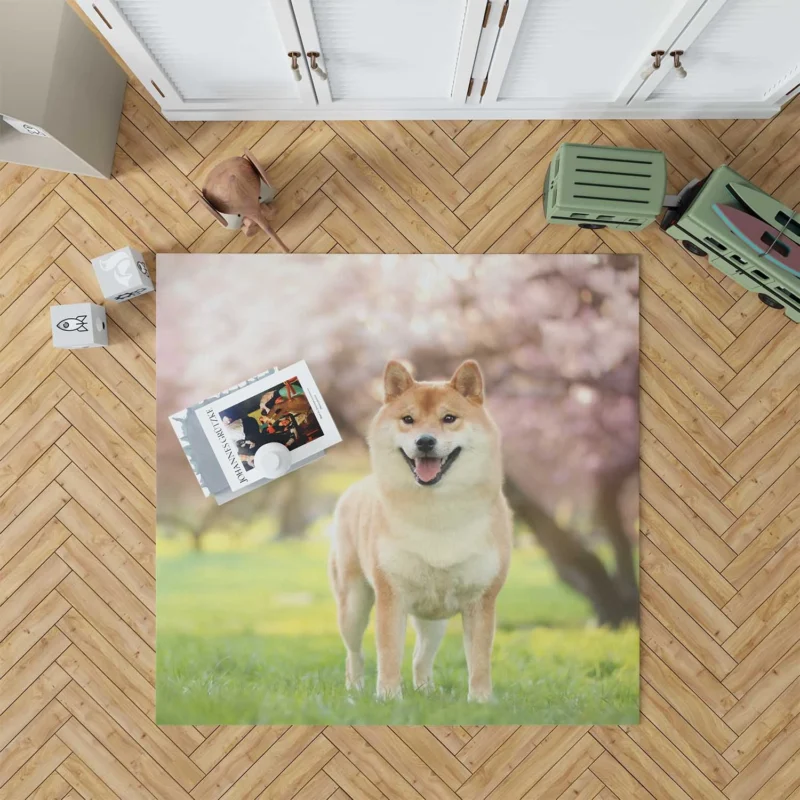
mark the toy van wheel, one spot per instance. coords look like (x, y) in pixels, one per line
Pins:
(693, 249)
(592, 226)
(769, 301)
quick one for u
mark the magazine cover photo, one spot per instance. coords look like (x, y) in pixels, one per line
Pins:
(281, 414)
(462, 549)
(283, 408)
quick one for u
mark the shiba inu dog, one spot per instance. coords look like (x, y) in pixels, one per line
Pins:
(427, 534)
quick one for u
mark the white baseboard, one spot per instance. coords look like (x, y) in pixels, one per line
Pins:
(650, 111)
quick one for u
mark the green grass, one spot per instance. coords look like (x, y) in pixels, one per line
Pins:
(249, 636)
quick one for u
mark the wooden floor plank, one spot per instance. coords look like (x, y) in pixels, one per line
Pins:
(153, 198)
(31, 629)
(91, 570)
(151, 750)
(476, 133)
(692, 675)
(388, 202)
(83, 780)
(25, 199)
(209, 135)
(31, 738)
(108, 768)
(299, 153)
(681, 553)
(392, 170)
(153, 161)
(159, 131)
(111, 519)
(124, 639)
(437, 143)
(426, 168)
(12, 176)
(643, 768)
(496, 185)
(686, 743)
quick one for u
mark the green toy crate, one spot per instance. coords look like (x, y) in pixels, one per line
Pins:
(702, 232)
(598, 187)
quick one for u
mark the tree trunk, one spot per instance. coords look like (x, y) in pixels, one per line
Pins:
(292, 514)
(575, 564)
(197, 538)
(608, 510)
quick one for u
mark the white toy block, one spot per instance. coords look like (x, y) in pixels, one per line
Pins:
(78, 325)
(122, 274)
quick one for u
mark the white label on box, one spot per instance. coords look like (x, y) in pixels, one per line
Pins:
(25, 127)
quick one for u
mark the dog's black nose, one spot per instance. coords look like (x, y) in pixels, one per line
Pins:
(425, 443)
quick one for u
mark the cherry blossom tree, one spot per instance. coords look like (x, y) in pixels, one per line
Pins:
(556, 338)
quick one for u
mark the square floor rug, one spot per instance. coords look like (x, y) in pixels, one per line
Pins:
(454, 542)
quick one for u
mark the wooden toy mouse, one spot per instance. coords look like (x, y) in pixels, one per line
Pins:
(236, 192)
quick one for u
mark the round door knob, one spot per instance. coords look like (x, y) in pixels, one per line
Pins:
(657, 55)
(676, 59)
(296, 74)
(315, 68)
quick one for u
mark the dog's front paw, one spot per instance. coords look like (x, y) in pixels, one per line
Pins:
(479, 696)
(386, 692)
(354, 672)
(354, 684)
(426, 687)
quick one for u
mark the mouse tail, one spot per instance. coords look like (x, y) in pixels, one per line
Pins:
(263, 223)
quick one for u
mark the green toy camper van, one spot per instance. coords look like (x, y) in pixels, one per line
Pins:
(700, 229)
(605, 187)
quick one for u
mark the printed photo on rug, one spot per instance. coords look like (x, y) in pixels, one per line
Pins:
(466, 555)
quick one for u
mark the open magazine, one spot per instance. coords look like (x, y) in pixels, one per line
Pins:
(222, 434)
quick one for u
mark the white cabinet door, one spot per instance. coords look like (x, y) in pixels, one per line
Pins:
(740, 52)
(414, 54)
(208, 54)
(562, 53)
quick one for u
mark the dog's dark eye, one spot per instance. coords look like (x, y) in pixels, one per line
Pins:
(408, 419)
(448, 418)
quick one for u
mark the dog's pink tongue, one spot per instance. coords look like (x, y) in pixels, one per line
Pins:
(427, 468)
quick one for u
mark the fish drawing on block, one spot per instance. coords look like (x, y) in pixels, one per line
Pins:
(77, 324)
(763, 238)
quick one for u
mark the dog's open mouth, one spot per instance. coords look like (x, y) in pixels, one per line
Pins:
(429, 471)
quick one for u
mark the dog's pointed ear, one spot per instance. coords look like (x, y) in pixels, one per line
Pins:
(468, 380)
(396, 380)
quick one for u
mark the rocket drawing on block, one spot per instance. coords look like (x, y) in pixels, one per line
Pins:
(78, 325)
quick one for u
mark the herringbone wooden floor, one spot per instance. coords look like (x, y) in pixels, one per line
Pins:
(720, 505)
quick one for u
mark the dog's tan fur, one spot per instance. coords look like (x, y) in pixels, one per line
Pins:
(428, 551)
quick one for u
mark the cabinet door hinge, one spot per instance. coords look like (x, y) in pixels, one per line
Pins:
(503, 15)
(486, 13)
(469, 88)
